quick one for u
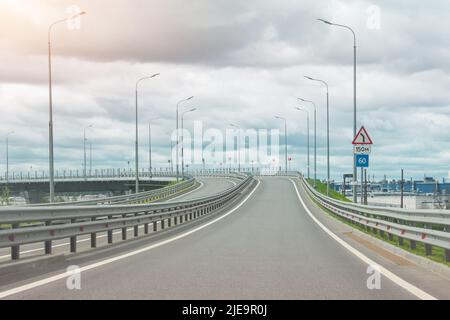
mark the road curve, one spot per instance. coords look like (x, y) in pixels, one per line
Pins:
(267, 248)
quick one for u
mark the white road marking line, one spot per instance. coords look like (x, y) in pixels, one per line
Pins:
(60, 276)
(388, 274)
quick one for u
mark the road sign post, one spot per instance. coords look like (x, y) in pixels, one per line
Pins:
(362, 146)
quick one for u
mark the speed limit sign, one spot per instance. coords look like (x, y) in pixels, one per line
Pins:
(362, 160)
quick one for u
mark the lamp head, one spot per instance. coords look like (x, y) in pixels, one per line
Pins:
(325, 21)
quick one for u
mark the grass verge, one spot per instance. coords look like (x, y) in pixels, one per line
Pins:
(438, 253)
(322, 188)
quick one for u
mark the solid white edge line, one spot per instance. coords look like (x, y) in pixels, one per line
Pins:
(45, 281)
(388, 274)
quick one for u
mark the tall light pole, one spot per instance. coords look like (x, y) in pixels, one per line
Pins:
(239, 145)
(178, 141)
(307, 129)
(90, 159)
(182, 139)
(7, 154)
(328, 132)
(355, 178)
(84, 148)
(137, 134)
(50, 106)
(285, 142)
(315, 138)
(150, 146)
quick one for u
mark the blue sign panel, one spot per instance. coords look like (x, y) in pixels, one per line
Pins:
(362, 160)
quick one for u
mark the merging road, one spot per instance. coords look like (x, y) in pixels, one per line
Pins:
(273, 244)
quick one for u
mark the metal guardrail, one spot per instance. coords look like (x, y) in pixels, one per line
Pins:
(141, 197)
(78, 175)
(414, 225)
(74, 221)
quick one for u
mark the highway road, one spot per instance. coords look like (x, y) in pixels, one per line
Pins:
(274, 244)
(208, 186)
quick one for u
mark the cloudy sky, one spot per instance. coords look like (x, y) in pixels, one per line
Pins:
(244, 61)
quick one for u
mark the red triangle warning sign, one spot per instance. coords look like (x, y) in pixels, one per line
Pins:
(362, 137)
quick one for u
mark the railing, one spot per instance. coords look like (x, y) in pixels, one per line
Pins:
(73, 221)
(141, 197)
(430, 227)
(79, 174)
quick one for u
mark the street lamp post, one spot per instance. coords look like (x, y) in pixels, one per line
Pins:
(315, 138)
(7, 155)
(355, 179)
(307, 129)
(84, 148)
(137, 134)
(50, 106)
(239, 145)
(182, 139)
(328, 132)
(285, 142)
(150, 147)
(178, 141)
(90, 159)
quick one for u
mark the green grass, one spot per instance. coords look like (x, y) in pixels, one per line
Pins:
(438, 253)
(322, 188)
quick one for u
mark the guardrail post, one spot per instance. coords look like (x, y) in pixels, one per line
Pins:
(169, 222)
(146, 228)
(190, 215)
(175, 220)
(48, 243)
(155, 226)
(162, 224)
(413, 244)
(428, 249)
(390, 237)
(15, 252)
(73, 240)
(400, 241)
(447, 255)
(136, 230)
(181, 218)
(110, 236)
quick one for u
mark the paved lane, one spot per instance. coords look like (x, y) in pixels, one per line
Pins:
(209, 186)
(268, 248)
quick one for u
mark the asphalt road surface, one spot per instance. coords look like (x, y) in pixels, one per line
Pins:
(265, 247)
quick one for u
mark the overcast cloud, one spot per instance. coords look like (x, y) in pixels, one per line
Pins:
(243, 61)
